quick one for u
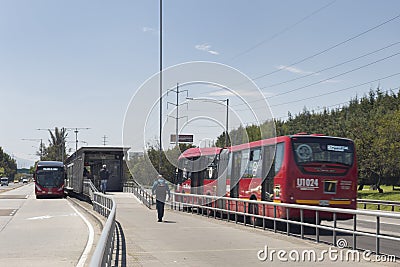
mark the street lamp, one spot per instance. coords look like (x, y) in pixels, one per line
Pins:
(227, 112)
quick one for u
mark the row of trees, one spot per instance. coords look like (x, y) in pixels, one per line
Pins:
(8, 165)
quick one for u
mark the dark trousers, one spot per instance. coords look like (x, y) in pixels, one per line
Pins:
(160, 209)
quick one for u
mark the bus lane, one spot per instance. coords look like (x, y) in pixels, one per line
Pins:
(41, 232)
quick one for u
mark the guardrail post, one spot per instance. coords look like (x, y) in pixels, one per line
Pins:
(236, 210)
(263, 213)
(317, 225)
(287, 222)
(354, 232)
(334, 228)
(215, 211)
(378, 222)
(244, 211)
(193, 204)
(274, 219)
(301, 225)
(228, 210)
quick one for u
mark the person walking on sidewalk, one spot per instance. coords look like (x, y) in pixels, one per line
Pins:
(104, 175)
(160, 189)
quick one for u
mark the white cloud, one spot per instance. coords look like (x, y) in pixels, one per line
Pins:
(332, 81)
(242, 93)
(150, 30)
(221, 93)
(293, 69)
(206, 48)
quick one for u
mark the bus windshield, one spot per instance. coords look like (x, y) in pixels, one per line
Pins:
(323, 150)
(50, 177)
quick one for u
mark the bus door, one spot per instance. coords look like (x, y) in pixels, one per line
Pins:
(268, 173)
(197, 181)
(235, 177)
(222, 176)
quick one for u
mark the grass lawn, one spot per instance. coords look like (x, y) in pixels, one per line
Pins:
(388, 194)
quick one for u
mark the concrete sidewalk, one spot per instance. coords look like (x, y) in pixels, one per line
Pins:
(190, 240)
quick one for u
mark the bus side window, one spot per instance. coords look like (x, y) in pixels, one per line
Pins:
(279, 156)
(251, 164)
(244, 164)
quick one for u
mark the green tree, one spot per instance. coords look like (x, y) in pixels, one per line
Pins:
(56, 149)
(8, 165)
(146, 168)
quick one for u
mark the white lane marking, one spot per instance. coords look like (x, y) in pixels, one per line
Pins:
(89, 243)
(51, 216)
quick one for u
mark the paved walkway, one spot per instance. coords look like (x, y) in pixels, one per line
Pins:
(191, 240)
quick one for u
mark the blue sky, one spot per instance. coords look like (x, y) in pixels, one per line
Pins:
(78, 63)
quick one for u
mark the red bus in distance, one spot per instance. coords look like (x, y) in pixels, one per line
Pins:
(49, 179)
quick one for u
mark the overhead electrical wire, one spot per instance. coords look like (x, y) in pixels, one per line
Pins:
(328, 93)
(335, 76)
(320, 81)
(336, 91)
(331, 47)
(282, 31)
(332, 67)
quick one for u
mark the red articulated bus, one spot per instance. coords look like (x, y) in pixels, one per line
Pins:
(49, 179)
(299, 169)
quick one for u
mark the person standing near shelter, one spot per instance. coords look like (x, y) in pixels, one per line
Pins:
(104, 175)
(160, 189)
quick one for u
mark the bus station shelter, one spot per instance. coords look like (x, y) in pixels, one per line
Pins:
(86, 163)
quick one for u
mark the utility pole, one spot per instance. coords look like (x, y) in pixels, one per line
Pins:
(104, 140)
(76, 131)
(177, 112)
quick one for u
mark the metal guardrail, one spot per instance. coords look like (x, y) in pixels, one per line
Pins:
(139, 192)
(106, 206)
(378, 203)
(200, 203)
(89, 189)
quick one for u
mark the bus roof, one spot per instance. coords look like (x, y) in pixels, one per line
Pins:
(197, 152)
(264, 142)
(50, 164)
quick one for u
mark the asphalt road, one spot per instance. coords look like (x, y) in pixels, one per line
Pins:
(41, 232)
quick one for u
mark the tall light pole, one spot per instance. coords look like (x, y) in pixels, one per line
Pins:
(227, 112)
(161, 67)
(226, 128)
